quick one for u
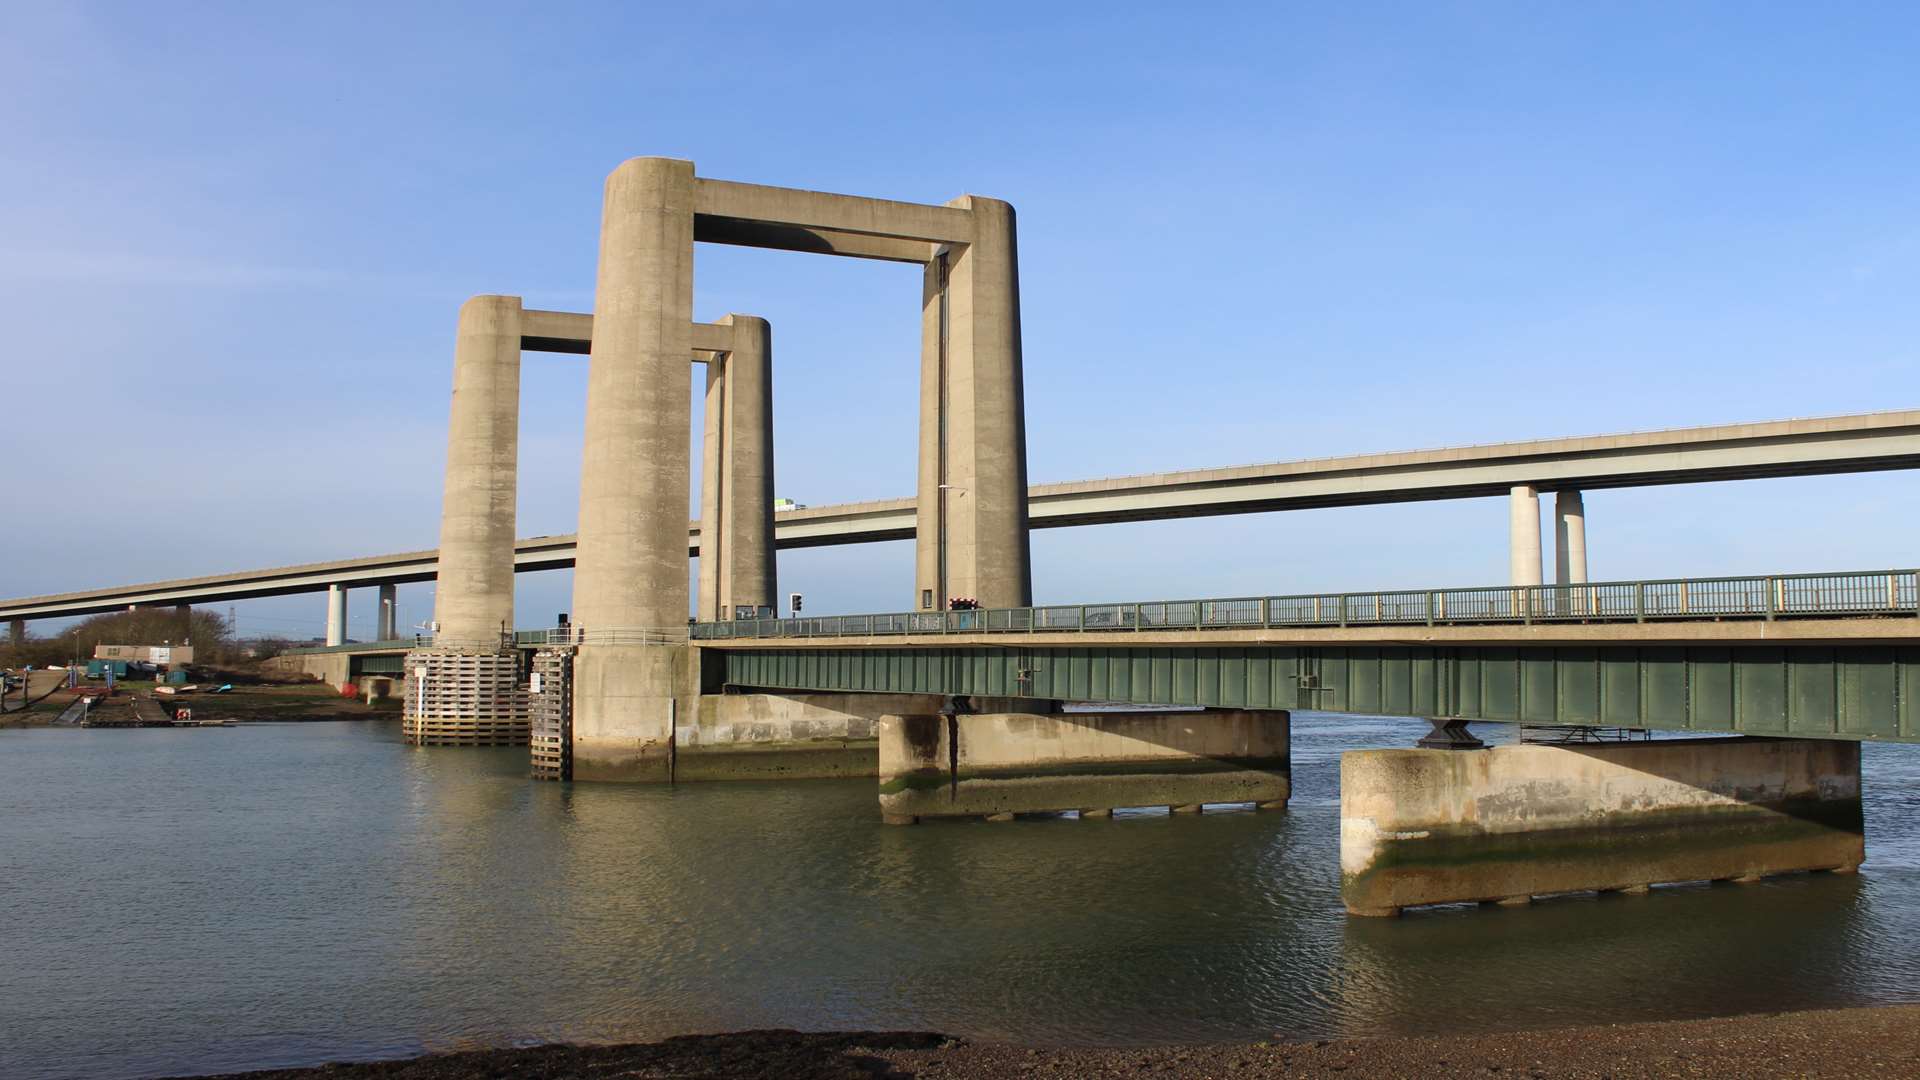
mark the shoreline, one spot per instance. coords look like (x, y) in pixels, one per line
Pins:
(1877, 1040)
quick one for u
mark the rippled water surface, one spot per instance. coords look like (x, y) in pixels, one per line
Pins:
(192, 901)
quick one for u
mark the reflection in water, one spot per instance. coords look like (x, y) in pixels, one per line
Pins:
(190, 901)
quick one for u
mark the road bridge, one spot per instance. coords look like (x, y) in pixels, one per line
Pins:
(1828, 445)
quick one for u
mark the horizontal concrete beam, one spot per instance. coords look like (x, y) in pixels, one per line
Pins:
(757, 204)
(738, 233)
(572, 332)
(1820, 446)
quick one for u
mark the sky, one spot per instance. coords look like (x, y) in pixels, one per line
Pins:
(234, 239)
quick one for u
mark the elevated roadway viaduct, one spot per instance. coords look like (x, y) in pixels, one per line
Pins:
(1804, 447)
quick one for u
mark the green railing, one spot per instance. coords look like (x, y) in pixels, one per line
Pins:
(1844, 594)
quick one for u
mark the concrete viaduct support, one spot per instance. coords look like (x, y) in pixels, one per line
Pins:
(1570, 538)
(631, 673)
(1523, 537)
(336, 615)
(388, 628)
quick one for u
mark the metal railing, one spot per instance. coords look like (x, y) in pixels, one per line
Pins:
(1846, 594)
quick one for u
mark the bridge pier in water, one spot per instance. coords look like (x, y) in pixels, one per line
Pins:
(996, 765)
(1510, 823)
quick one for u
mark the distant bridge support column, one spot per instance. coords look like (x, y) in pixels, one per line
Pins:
(1513, 822)
(1523, 535)
(630, 601)
(17, 632)
(971, 531)
(989, 765)
(336, 614)
(1570, 538)
(389, 624)
(465, 690)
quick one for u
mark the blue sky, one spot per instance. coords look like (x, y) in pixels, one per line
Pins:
(234, 238)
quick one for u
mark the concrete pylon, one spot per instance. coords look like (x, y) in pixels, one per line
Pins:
(972, 515)
(17, 632)
(630, 571)
(1570, 538)
(464, 690)
(473, 592)
(388, 623)
(336, 614)
(1523, 535)
(747, 569)
(708, 606)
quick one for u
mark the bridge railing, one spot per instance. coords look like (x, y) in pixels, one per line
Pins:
(1839, 594)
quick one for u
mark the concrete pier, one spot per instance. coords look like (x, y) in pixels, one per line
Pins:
(1570, 538)
(630, 599)
(787, 736)
(1523, 535)
(336, 615)
(971, 522)
(17, 632)
(1504, 824)
(388, 628)
(981, 765)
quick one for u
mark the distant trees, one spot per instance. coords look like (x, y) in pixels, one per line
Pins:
(208, 632)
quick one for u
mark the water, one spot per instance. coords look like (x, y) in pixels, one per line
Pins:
(193, 901)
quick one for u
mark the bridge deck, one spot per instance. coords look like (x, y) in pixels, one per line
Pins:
(1802, 447)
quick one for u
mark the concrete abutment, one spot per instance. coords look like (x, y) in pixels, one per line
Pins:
(1504, 824)
(980, 765)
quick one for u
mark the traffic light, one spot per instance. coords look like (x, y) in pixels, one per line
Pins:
(793, 602)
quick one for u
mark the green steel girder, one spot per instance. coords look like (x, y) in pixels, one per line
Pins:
(1811, 691)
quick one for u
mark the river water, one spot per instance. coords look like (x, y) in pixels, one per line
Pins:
(206, 900)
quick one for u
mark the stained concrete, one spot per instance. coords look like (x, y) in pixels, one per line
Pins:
(737, 565)
(1006, 763)
(626, 699)
(473, 593)
(971, 515)
(1507, 823)
(630, 571)
(787, 736)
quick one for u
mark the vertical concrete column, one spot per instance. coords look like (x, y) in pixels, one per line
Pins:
(1570, 538)
(1523, 535)
(747, 564)
(183, 613)
(17, 633)
(336, 615)
(930, 527)
(473, 593)
(973, 469)
(388, 628)
(713, 532)
(630, 570)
